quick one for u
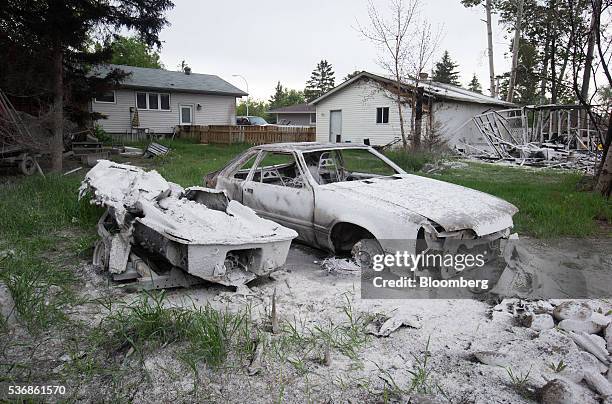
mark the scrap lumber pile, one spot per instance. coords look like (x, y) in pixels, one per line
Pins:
(564, 136)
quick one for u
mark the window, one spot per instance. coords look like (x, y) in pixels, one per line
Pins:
(108, 97)
(164, 101)
(245, 168)
(329, 166)
(382, 115)
(313, 118)
(141, 100)
(279, 169)
(155, 101)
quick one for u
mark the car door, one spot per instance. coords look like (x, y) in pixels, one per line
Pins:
(277, 189)
(232, 178)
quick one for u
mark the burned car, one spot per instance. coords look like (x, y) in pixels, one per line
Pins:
(336, 195)
(160, 235)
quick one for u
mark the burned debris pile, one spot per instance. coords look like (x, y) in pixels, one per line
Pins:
(160, 235)
(564, 136)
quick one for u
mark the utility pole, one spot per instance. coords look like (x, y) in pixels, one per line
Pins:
(247, 88)
(515, 49)
(490, 48)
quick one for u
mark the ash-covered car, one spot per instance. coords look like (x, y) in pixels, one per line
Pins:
(337, 195)
(160, 235)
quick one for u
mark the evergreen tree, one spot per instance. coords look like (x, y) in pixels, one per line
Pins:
(445, 71)
(59, 33)
(474, 85)
(279, 95)
(351, 75)
(321, 81)
(527, 78)
(284, 97)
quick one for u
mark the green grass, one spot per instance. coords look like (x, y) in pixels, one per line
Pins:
(149, 322)
(548, 200)
(42, 223)
(188, 162)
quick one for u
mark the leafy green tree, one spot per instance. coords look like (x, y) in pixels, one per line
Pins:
(445, 71)
(474, 85)
(284, 97)
(321, 81)
(132, 51)
(57, 32)
(604, 97)
(256, 108)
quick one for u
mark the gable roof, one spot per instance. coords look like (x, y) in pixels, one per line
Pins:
(160, 79)
(432, 88)
(294, 109)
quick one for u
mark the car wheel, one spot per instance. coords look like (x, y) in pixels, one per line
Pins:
(27, 165)
(363, 253)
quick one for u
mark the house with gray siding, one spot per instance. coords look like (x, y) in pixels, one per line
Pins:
(297, 115)
(157, 101)
(363, 109)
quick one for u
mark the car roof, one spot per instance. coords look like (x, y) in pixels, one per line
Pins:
(308, 146)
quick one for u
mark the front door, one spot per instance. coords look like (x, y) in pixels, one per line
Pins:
(186, 114)
(335, 126)
(277, 190)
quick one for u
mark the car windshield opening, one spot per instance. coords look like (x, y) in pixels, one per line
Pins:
(255, 120)
(330, 166)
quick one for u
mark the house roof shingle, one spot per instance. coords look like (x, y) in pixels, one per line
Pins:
(160, 79)
(432, 88)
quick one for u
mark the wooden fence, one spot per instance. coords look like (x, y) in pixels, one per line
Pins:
(255, 135)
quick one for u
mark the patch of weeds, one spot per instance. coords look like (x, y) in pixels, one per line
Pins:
(421, 374)
(40, 291)
(557, 368)
(144, 321)
(421, 381)
(409, 160)
(209, 334)
(520, 381)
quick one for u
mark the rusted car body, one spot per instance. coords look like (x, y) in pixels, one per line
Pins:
(335, 195)
(161, 235)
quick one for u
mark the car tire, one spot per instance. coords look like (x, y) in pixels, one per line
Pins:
(363, 252)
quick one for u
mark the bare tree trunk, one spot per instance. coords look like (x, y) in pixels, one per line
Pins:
(56, 145)
(604, 180)
(490, 49)
(544, 74)
(401, 113)
(515, 50)
(418, 118)
(586, 75)
(553, 71)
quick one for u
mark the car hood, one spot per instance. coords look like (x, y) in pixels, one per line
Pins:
(452, 206)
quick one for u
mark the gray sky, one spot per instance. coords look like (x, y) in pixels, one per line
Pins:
(272, 40)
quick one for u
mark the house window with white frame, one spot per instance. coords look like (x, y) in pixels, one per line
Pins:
(153, 101)
(106, 97)
(313, 119)
(382, 115)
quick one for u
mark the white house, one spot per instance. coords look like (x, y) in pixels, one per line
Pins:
(298, 114)
(157, 100)
(364, 108)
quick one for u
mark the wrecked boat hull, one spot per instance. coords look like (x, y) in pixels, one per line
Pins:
(161, 235)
